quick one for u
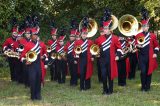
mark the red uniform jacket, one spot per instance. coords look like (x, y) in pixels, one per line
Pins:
(52, 43)
(23, 41)
(58, 47)
(67, 45)
(27, 48)
(10, 42)
(89, 70)
(152, 45)
(115, 45)
(127, 61)
(44, 54)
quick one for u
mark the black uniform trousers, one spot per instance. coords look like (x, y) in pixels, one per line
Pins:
(145, 78)
(106, 77)
(84, 83)
(53, 67)
(133, 63)
(53, 70)
(11, 62)
(99, 70)
(72, 69)
(61, 70)
(25, 75)
(121, 72)
(106, 71)
(34, 70)
(19, 71)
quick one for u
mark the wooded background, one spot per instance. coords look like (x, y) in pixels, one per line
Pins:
(64, 10)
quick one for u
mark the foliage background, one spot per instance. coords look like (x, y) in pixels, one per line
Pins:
(64, 10)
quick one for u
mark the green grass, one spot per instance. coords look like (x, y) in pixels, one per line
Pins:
(54, 94)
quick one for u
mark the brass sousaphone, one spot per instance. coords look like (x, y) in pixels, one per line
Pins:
(128, 25)
(92, 27)
(114, 22)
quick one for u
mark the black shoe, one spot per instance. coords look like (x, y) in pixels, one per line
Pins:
(147, 89)
(104, 93)
(122, 85)
(82, 90)
(142, 89)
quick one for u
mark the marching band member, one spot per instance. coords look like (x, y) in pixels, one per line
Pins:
(19, 69)
(76, 63)
(22, 43)
(44, 59)
(98, 58)
(147, 53)
(132, 58)
(53, 44)
(34, 67)
(70, 57)
(78, 35)
(122, 63)
(85, 59)
(109, 45)
(61, 61)
(11, 44)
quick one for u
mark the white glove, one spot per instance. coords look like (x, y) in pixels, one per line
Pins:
(116, 58)
(154, 55)
(45, 66)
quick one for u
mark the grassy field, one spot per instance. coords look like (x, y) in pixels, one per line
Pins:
(54, 94)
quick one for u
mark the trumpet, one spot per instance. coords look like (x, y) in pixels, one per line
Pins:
(49, 49)
(31, 56)
(126, 50)
(78, 50)
(94, 49)
(60, 56)
(53, 56)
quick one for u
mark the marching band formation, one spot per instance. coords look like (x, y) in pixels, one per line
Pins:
(116, 55)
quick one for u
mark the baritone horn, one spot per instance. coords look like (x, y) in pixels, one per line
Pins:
(31, 56)
(128, 25)
(95, 50)
(92, 27)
